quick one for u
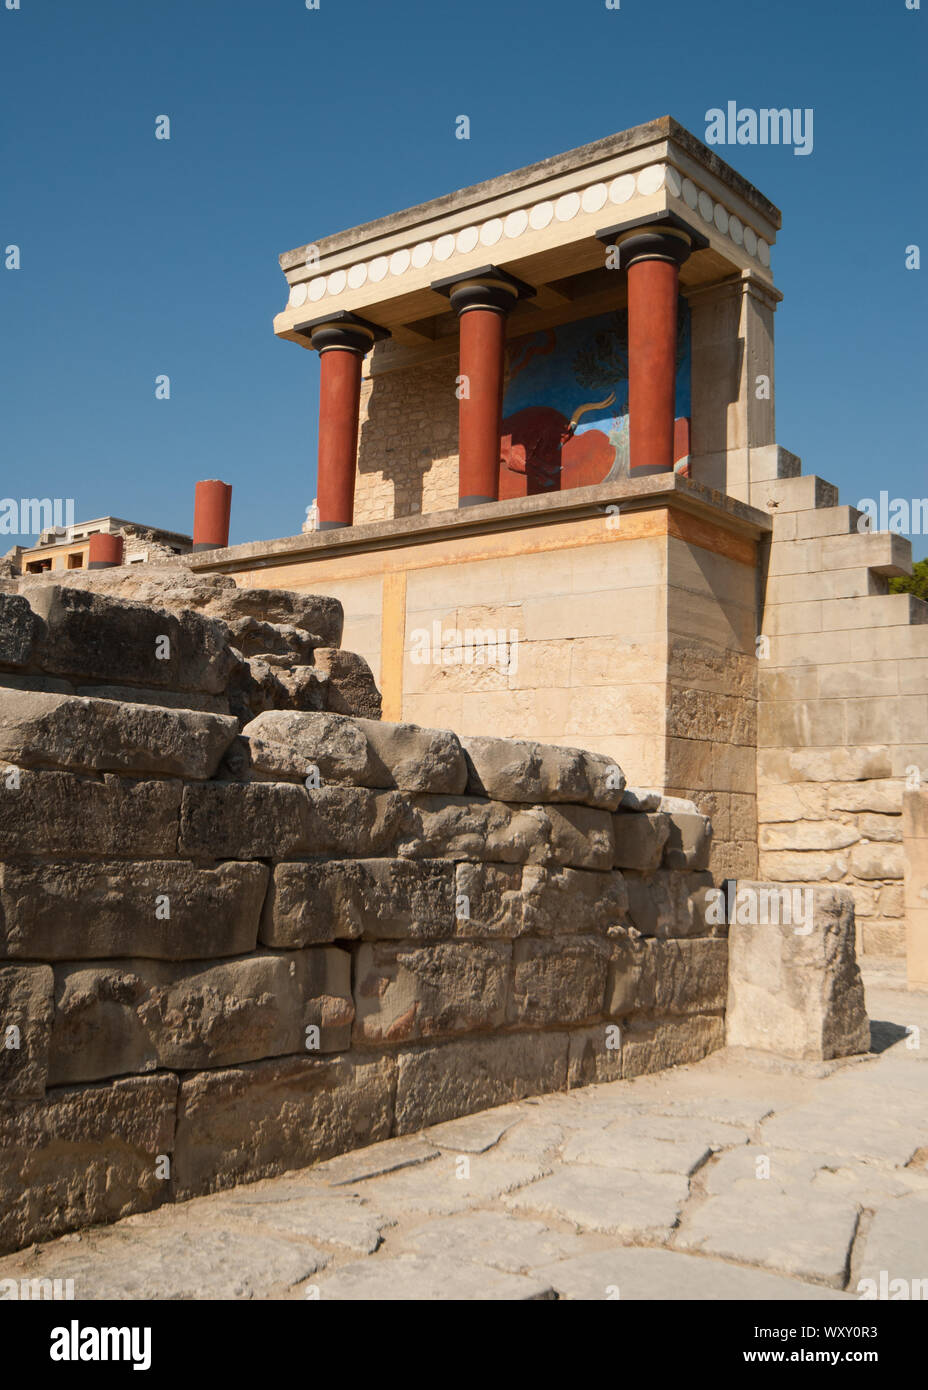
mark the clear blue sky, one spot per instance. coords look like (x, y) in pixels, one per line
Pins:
(142, 257)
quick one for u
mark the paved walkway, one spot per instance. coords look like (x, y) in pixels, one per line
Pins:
(738, 1177)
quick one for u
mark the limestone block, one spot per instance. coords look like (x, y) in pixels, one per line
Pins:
(463, 827)
(17, 630)
(915, 814)
(814, 835)
(640, 840)
(836, 764)
(810, 867)
(275, 820)
(635, 799)
(560, 980)
(558, 902)
(667, 977)
(86, 735)
(325, 900)
(669, 904)
(883, 795)
(785, 802)
(796, 991)
(165, 909)
(488, 899)
(403, 992)
(515, 770)
(877, 827)
(264, 1118)
(363, 752)
(877, 859)
(594, 1055)
(650, 1045)
(350, 685)
(138, 1015)
(84, 1155)
(689, 841)
(26, 1008)
(99, 637)
(882, 936)
(62, 813)
(437, 1082)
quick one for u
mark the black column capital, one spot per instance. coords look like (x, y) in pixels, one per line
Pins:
(487, 287)
(661, 236)
(341, 330)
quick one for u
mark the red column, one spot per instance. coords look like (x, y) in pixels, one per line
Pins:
(212, 505)
(480, 413)
(339, 403)
(652, 364)
(104, 550)
(341, 340)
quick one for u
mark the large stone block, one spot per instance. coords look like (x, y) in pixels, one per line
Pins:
(350, 685)
(98, 637)
(362, 752)
(26, 1009)
(558, 981)
(669, 904)
(165, 909)
(275, 820)
(326, 900)
(265, 1118)
(794, 990)
(557, 902)
(640, 840)
(137, 1015)
(689, 841)
(84, 1156)
(650, 1045)
(495, 831)
(17, 631)
(879, 859)
(507, 769)
(64, 813)
(406, 992)
(439, 1081)
(87, 735)
(488, 900)
(667, 977)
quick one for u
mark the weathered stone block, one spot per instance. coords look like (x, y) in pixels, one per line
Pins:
(513, 770)
(798, 991)
(86, 735)
(18, 627)
(165, 909)
(594, 1055)
(99, 637)
(488, 900)
(439, 1081)
(559, 902)
(814, 835)
(275, 820)
(406, 992)
(652, 1045)
(669, 904)
(689, 842)
(363, 752)
(63, 813)
(350, 685)
(26, 1008)
(475, 829)
(640, 840)
(136, 1015)
(558, 981)
(667, 977)
(84, 1156)
(295, 1111)
(325, 900)
(877, 860)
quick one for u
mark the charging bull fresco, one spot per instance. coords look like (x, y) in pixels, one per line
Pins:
(565, 404)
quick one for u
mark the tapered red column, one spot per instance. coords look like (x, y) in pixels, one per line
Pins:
(341, 340)
(482, 299)
(104, 551)
(212, 507)
(651, 252)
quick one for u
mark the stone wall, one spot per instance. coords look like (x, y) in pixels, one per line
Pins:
(235, 941)
(843, 702)
(915, 840)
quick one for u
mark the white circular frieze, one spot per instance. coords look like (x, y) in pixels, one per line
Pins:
(378, 269)
(467, 239)
(736, 230)
(336, 282)
(298, 295)
(541, 215)
(516, 223)
(399, 262)
(690, 193)
(444, 247)
(622, 188)
(651, 179)
(763, 252)
(491, 232)
(706, 206)
(721, 218)
(673, 181)
(567, 207)
(422, 254)
(594, 197)
(750, 241)
(357, 276)
(316, 288)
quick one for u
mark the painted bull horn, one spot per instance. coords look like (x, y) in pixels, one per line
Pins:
(591, 405)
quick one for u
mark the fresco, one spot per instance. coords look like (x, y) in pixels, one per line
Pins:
(565, 404)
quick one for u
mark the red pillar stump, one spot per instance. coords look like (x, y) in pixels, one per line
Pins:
(341, 340)
(212, 507)
(482, 299)
(651, 252)
(104, 551)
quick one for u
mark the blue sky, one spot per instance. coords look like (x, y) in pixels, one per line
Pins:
(142, 257)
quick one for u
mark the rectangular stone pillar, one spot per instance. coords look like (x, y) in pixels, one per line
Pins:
(915, 840)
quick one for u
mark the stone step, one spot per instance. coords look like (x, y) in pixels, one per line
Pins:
(883, 552)
(772, 461)
(796, 494)
(858, 582)
(827, 521)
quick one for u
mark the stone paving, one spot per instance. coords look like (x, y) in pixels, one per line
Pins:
(739, 1177)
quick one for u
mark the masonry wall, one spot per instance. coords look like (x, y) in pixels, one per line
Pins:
(408, 442)
(915, 842)
(234, 944)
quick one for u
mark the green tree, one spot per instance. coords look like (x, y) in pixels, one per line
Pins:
(915, 583)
